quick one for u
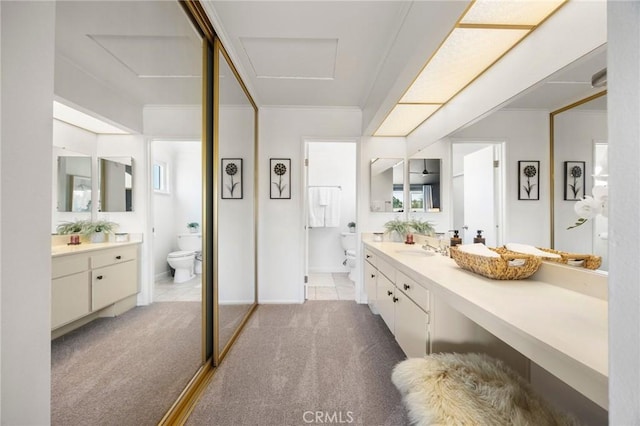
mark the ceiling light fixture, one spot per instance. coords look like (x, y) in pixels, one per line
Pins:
(485, 33)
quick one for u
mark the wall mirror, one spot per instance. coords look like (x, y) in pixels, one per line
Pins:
(424, 185)
(74, 184)
(387, 185)
(115, 184)
(235, 284)
(579, 157)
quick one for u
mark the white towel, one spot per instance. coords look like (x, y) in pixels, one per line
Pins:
(316, 211)
(478, 249)
(332, 208)
(527, 249)
(324, 196)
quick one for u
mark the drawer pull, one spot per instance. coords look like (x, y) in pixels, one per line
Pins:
(368, 256)
(99, 277)
(389, 293)
(395, 299)
(373, 275)
(118, 257)
(407, 286)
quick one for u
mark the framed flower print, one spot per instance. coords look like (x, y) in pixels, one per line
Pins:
(232, 178)
(280, 178)
(574, 180)
(528, 180)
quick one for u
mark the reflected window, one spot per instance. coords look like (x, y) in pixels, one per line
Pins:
(160, 177)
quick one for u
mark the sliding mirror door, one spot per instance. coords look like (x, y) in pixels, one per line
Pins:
(235, 281)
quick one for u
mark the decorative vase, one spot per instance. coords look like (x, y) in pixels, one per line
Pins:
(98, 237)
(193, 230)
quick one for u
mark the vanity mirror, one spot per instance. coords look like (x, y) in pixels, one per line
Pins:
(579, 136)
(74, 184)
(387, 185)
(115, 184)
(424, 184)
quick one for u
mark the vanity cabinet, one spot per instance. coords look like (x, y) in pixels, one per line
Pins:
(370, 280)
(86, 282)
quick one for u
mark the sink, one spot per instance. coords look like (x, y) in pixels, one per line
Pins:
(415, 252)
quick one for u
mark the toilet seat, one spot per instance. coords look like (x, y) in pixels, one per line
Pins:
(179, 254)
(350, 253)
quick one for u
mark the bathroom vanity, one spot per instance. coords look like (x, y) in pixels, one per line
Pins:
(557, 319)
(90, 281)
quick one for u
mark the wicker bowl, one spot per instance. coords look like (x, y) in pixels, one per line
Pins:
(589, 261)
(509, 266)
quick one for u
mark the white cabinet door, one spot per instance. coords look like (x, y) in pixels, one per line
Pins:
(385, 301)
(113, 283)
(412, 326)
(69, 298)
(370, 274)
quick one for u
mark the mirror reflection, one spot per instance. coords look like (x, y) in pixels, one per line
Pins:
(424, 184)
(387, 185)
(74, 184)
(236, 213)
(580, 162)
(115, 182)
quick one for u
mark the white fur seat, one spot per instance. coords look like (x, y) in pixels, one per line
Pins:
(470, 389)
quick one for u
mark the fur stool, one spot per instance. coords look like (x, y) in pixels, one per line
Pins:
(470, 389)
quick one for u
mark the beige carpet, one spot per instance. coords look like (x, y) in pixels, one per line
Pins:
(326, 362)
(126, 370)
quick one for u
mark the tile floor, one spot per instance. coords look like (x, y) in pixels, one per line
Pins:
(166, 290)
(330, 286)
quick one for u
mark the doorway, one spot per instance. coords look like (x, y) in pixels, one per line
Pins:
(330, 254)
(478, 191)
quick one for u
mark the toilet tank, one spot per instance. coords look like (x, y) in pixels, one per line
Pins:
(348, 240)
(190, 242)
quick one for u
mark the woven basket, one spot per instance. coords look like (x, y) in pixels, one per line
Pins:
(498, 268)
(590, 261)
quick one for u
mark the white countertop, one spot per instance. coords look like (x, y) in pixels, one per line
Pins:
(62, 250)
(561, 330)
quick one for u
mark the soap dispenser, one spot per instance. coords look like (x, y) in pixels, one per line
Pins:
(479, 238)
(455, 240)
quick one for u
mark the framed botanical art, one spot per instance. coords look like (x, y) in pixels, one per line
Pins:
(280, 178)
(528, 180)
(232, 178)
(574, 180)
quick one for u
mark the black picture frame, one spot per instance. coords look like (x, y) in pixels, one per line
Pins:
(232, 182)
(574, 180)
(528, 180)
(280, 178)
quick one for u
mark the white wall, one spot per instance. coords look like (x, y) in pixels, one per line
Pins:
(332, 164)
(280, 233)
(526, 137)
(236, 236)
(624, 228)
(26, 95)
(164, 237)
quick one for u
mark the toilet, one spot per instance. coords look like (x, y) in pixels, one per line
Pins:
(349, 244)
(183, 261)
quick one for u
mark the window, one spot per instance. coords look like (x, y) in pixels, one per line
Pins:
(160, 177)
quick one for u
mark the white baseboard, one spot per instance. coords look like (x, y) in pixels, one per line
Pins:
(162, 275)
(280, 302)
(235, 302)
(328, 270)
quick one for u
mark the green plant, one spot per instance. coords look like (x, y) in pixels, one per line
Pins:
(100, 226)
(422, 227)
(399, 226)
(77, 227)
(194, 225)
(351, 225)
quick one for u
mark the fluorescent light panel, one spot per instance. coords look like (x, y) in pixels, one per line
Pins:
(403, 118)
(84, 121)
(488, 30)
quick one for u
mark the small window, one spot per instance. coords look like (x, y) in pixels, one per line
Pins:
(160, 177)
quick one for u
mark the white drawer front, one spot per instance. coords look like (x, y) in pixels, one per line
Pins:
(68, 265)
(370, 257)
(386, 269)
(114, 256)
(415, 291)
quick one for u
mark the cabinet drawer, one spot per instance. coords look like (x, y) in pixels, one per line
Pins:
(69, 298)
(415, 291)
(386, 269)
(114, 256)
(113, 283)
(369, 256)
(67, 265)
(370, 275)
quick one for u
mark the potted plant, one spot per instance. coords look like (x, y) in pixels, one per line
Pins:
(398, 226)
(77, 227)
(351, 226)
(98, 230)
(422, 227)
(193, 227)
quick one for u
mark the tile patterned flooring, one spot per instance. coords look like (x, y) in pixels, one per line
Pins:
(166, 290)
(330, 286)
